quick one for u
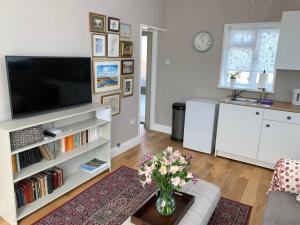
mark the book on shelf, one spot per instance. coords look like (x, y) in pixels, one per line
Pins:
(32, 156)
(38, 186)
(46, 153)
(93, 166)
(74, 141)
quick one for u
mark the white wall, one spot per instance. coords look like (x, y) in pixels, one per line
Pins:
(61, 28)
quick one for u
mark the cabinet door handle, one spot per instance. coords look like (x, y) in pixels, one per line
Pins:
(268, 125)
(257, 113)
(289, 117)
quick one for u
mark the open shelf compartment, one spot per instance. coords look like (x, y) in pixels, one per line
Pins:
(67, 131)
(70, 182)
(60, 158)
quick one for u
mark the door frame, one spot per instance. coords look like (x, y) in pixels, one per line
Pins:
(152, 104)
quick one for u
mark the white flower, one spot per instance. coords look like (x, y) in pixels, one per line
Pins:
(148, 180)
(170, 149)
(148, 171)
(141, 172)
(189, 175)
(182, 183)
(163, 170)
(175, 181)
(177, 154)
(174, 169)
(167, 162)
(182, 160)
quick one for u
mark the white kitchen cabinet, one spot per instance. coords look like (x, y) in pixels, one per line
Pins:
(279, 140)
(289, 44)
(239, 129)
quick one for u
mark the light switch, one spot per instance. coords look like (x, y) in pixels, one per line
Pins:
(167, 61)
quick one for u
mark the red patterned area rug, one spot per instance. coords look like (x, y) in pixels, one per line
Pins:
(230, 212)
(117, 196)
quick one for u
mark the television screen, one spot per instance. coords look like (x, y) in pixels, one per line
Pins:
(39, 84)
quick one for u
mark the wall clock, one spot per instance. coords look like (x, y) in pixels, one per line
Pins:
(203, 41)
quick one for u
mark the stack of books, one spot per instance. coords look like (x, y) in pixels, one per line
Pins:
(38, 186)
(30, 157)
(71, 142)
(93, 166)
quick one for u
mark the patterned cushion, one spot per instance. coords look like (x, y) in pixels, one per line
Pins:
(286, 177)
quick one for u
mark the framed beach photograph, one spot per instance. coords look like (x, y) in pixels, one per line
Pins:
(99, 45)
(127, 86)
(125, 30)
(114, 100)
(113, 45)
(97, 23)
(113, 24)
(106, 76)
(127, 67)
(126, 49)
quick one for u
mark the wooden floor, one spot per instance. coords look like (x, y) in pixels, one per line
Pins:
(238, 181)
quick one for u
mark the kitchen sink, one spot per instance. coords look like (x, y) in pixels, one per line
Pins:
(246, 100)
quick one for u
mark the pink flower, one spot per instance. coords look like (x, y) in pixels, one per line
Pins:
(177, 154)
(163, 170)
(174, 169)
(148, 171)
(189, 175)
(195, 179)
(167, 162)
(190, 156)
(175, 181)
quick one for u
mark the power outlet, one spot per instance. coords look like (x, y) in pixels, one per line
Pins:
(133, 121)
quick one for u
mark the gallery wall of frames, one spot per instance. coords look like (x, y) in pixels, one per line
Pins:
(113, 66)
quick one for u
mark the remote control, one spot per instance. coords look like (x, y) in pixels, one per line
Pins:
(52, 132)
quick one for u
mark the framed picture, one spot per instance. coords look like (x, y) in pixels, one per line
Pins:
(99, 45)
(97, 23)
(106, 76)
(113, 45)
(127, 67)
(127, 86)
(113, 24)
(126, 48)
(125, 30)
(114, 100)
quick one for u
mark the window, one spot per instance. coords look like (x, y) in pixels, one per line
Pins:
(249, 50)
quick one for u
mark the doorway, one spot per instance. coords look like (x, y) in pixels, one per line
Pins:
(145, 78)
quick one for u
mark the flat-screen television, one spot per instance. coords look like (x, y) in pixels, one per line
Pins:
(40, 84)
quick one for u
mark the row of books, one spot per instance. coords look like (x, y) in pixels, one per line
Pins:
(30, 157)
(71, 142)
(38, 186)
(93, 166)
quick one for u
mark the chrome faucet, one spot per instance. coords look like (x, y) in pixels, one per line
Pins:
(235, 94)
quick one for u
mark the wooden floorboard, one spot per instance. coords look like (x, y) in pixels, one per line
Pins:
(238, 181)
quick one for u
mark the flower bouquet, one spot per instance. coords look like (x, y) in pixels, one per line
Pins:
(170, 170)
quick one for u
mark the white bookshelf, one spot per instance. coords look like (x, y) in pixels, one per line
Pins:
(71, 121)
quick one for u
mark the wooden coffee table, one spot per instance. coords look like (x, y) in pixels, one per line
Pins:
(148, 214)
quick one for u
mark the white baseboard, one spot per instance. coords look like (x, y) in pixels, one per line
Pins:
(125, 146)
(162, 128)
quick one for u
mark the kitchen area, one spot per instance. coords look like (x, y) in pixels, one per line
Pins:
(257, 131)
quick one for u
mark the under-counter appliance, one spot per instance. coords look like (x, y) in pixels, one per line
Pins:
(201, 124)
(296, 97)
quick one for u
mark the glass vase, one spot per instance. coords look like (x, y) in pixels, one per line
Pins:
(165, 203)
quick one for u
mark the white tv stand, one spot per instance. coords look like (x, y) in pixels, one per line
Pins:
(72, 120)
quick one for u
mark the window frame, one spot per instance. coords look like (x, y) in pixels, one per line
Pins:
(225, 48)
